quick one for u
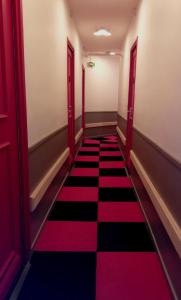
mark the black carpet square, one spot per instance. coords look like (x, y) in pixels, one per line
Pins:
(109, 142)
(117, 194)
(111, 158)
(120, 237)
(82, 181)
(110, 149)
(90, 145)
(99, 138)
(85, 164)
(112, 172)
(88, 153)
(73, 211)
(60, 276)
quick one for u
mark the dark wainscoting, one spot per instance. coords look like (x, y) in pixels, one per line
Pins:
(78, 124)
(44, 154)
(163, 170)
(98, 131)
(170, 258)
(101, 116)
(122, 123)
(122, 146)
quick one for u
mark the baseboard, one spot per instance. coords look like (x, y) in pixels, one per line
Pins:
(121, 135)
(100, 124)
(43, 185)
(78, 135)
(168, 220)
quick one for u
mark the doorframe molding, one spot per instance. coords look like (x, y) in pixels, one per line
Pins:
(17, 17)
(83, 98)
(128, 138)
(70, 46)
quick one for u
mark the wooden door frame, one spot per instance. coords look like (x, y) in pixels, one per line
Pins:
(15, 18)
(22, 123)
(131, 100)
(83, 99)
(71, 135)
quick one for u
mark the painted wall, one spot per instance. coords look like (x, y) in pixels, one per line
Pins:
(158, 92)
(47, 24)
(102, 84)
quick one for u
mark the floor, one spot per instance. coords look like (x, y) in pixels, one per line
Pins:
(95, 243)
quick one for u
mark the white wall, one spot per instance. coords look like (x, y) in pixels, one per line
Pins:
(102, 83)
(158, 87)
(47, 24)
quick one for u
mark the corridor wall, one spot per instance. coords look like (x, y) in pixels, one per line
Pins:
(102, 83)
(157, 122)
(47, 25)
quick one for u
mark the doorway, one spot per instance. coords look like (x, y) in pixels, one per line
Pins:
(131, 99)
(71, 100)
(83, 99)
(14, 194)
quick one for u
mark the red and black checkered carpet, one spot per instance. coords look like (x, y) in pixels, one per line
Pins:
(95, 244)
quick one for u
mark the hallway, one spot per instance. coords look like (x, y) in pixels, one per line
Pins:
(90, 150)
(95, 243)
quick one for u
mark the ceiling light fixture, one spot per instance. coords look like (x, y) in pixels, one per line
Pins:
(102, 32)
(112, 53)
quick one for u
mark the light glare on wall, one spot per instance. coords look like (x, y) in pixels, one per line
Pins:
(102, 32)
(112, 53)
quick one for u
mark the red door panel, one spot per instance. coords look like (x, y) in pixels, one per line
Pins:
(131, 98)
(10, 245)
(71, 110)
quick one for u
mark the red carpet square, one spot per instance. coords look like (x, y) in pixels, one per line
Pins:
(93, 149)
(87, 141)
(111, 164)
(78, 194)
(108, 142)
(107, 145)
(119, 212)
(111, 137)
(121, 181)
(130, 276)
(110, 153)
(68, 236)
(89, 172)
(87, 158)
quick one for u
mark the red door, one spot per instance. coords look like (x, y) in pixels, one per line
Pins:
(83, 99)
(71, 110)
(10, 230)
(131, 98)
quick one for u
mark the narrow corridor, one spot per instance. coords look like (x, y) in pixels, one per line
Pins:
(95, 243)
(90, 154)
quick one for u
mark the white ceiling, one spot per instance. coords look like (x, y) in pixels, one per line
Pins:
(114, 15)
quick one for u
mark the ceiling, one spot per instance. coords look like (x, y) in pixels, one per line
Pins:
(91, 15)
